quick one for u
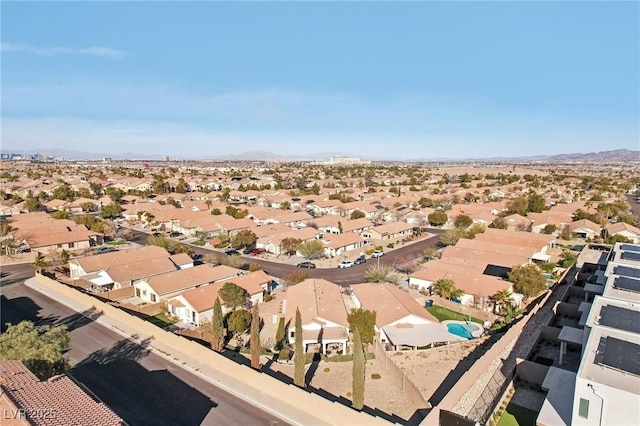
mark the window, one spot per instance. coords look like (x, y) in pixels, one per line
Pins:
(153, 297)
(583, 408)
(137, 292)
(71, 245)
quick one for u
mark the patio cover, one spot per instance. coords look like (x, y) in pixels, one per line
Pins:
(557, 407)
(97, 279)
(419, 334)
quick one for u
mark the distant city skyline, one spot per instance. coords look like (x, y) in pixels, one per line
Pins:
(376, 80)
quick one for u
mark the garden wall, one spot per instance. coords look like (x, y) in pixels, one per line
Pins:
(409, 388)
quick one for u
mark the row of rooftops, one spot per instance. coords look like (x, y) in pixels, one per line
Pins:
(612, 352)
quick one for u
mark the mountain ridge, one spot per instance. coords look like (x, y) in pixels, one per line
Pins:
(616, 155)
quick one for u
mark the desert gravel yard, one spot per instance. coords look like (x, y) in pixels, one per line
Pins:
(428, 369)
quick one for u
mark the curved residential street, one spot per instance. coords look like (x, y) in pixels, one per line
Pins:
(347, 276)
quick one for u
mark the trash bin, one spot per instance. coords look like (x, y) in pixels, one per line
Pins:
(428, 303)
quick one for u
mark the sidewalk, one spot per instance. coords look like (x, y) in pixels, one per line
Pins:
(278, 408)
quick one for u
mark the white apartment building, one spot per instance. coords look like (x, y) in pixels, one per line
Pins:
(606, 388)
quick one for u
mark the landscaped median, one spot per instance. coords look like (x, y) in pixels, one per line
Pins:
(293, 403)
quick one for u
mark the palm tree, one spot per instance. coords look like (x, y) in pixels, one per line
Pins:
(501, 299)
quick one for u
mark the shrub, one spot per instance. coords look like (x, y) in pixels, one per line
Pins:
(326, 369)
(390, 245)
(375, 376)
(268, 298)
(284, 355)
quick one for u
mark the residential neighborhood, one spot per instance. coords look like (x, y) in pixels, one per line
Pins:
(457, 256)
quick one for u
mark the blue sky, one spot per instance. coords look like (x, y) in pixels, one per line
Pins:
(380, 80)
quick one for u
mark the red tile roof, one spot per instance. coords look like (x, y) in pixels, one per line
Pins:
(63, 402)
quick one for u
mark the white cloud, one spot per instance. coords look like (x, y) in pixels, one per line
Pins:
(100, 51)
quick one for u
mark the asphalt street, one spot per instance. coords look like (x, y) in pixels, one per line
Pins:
(344, 277)
(140, 386)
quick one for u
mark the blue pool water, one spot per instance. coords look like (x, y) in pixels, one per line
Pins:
(462, 330)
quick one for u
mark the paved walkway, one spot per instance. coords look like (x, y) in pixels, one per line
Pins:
(248, 393)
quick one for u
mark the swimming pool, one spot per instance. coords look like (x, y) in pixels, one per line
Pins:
(462, 330)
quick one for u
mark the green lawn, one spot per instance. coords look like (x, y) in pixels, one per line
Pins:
(199, 243)
(518, 416)
(161, 320)
(444, 314)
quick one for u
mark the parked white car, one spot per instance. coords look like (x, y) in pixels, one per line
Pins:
(345, 264)
(377, 253)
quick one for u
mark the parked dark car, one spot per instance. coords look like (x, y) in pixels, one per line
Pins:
(232, 252)
(248, 250)
(308, 265)
(360, 260)
(175, 234)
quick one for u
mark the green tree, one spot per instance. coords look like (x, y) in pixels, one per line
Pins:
(363, 321)
(535, 203)
(617, 238)
(238, 321)
(473, 230)
(289, 245)
(255, 337)
(115, 194)
(357, 214)
(233, 295)
(112, 210)
(280, 334)
(311, 249)
(64, 257)
(358, 382)
(40, 352)
(445, 287)
(40, 263)
(63, 192)
(217, 327)
(462, 221)
(437, 218)
(430, 253)
(517, 205)
(568, 259)
(528, 280)
(502, 298)
(298, 355)
(550, 228)
(451, 236)
(61, 214)
(285, 205)
(244, 238)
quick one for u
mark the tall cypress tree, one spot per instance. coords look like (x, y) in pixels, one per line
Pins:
(255, 337)
(217, 327)
(298, 356)
(358, 371)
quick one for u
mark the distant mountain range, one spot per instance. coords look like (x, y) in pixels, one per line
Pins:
(614, 156)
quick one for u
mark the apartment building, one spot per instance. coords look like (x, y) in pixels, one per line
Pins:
(605, 390)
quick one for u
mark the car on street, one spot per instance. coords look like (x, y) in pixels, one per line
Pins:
(102, 250)
(232, 252)
(256, 252)
(359, 260)
(307, 265)
(377, 253)
(345, 264)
